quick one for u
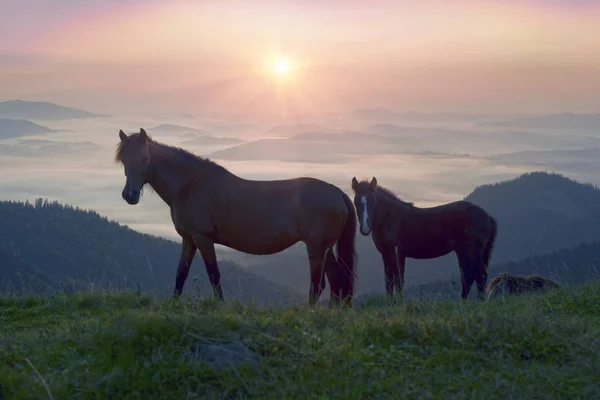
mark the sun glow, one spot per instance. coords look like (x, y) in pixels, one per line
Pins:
(281, 66)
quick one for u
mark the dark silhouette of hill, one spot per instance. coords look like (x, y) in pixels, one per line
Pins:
(563, 121)
(48, 246)
(11, 128)
(574, 265)
(540, 212)
(20, 109)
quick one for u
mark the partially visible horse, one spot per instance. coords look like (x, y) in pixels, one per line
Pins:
(400, 229)
(506, 284)
(210, 205)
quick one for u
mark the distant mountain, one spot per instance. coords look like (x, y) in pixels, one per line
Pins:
(342, 145)
(446, 117)
(567, 161)
(11, 128)
(377, 113)
(290, 130)
(48, 149)
(48, 246)
(340, 136)
(549, 157)
(172, 128)
(564, 121)
(20, 109)
(211, 140)
(381, 114)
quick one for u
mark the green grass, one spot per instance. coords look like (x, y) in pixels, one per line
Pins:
(122, 346)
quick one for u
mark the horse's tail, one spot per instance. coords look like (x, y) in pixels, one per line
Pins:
(489, 247)
(346, 251)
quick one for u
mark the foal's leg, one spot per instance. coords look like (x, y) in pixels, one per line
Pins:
(207, 250)
(316, 259)
(399, 276)
(390, 267)
(188, 250)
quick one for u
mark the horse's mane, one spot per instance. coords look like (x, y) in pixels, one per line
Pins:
(177, 151)
(389, 195)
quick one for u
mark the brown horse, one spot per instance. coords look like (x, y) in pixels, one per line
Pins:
(400, 229)
(211, 205)
(505, 284)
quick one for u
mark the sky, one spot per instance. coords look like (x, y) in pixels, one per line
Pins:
(218, 57)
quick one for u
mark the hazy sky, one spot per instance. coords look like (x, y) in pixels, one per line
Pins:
(208, 56)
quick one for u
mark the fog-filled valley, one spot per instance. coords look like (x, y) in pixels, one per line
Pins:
(66, 155)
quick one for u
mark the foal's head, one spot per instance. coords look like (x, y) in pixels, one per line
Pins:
(364, 201)
(133, 152)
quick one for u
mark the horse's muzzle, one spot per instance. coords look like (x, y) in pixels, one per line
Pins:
(132, 197)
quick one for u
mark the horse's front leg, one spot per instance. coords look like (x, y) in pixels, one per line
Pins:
(207, 249)
(188, 250)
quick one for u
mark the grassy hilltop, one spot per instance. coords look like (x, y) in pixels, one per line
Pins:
(124, 346)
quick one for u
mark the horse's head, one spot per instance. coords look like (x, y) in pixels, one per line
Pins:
(364, 201)
(133, 152)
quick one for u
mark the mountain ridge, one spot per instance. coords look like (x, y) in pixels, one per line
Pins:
(42, 110)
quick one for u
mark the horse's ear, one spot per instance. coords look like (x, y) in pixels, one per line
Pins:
(143, 134)
(122, 135)
(354, 183)
(374, 183)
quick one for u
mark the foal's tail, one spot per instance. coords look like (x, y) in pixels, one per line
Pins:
(346, 248)
(487, 251)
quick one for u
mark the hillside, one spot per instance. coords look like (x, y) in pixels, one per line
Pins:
(19, 109)
(573, 265)
(123, 346)
(540, 212)
(12, 128)
(48, 246)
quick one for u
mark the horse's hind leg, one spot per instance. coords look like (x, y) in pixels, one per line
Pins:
(472, 269)
(332, 272)
(207, 250)
(466, 271)
(188, 250)
(399, 275)
(316, 259)
(480, 280)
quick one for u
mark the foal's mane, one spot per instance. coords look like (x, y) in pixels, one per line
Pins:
(389, 195)
(174, 151)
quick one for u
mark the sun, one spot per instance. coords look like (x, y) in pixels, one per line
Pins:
(281, 66)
